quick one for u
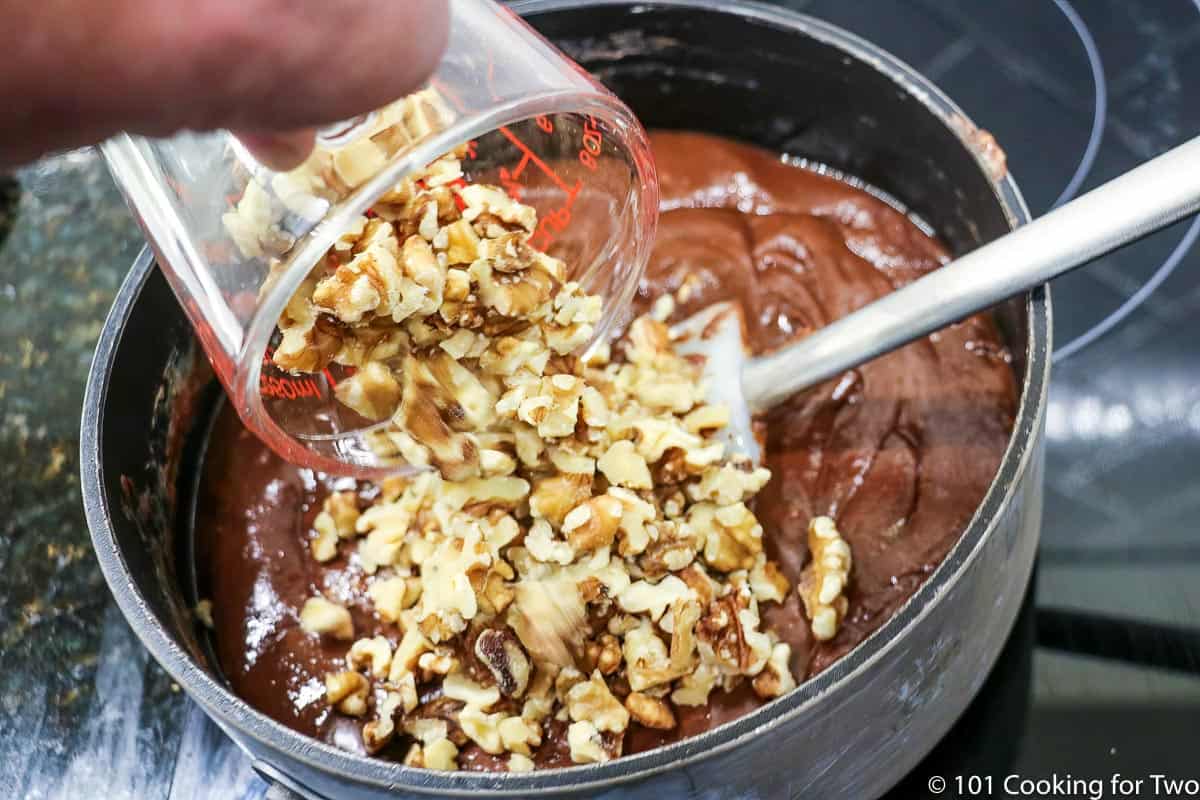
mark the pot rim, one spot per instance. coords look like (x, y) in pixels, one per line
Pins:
(232, 712)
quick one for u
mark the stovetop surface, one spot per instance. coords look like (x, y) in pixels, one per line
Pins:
(1102, 672)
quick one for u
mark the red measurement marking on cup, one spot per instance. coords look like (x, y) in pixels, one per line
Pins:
(554, 221)
(287, 387)
(460, 184)
(593, 143)
(528, 157)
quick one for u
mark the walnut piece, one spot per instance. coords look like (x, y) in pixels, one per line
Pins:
(520, 763)
(348, 691)
(650, 711)
(326, 618)
(624, 466)
(591, 700)
(339, 513)
(823, 582)
(593, 524)
(372, 392)
(585, 744)
(374, 654)
(378, 733)
(391, 596)
(499, 650)
(440, 755)
(776, 678)
(554, 497)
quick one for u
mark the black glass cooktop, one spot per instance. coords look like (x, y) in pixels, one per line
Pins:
(1101, 675)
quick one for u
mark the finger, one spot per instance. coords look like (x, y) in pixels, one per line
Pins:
(248, 65)
(316, 62)
(280, 151)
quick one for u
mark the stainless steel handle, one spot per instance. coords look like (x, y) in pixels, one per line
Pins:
(1147, 198)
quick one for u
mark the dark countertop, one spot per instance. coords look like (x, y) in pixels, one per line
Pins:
(84, 711)
(81, 706)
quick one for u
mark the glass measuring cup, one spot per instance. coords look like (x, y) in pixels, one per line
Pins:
(236, 239)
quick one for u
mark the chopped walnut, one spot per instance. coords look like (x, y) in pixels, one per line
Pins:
(542, 544)
(554, 497)
(694, 688)
(706, 418)
(653, 599)
(646, 659)
(728, 636)
(441, 755)
(593, 524)
(482, 728)
(585, 744)
(823, 582)
(685, 614)
(623, 466)
(374, 654)
(520, 763)
(391, 596)
(372, 392)
(378, 733)
(732, 536)
(767, 582)
(776, 678)
(499, 650)
(404, 660)
(358, 161)
(448, 598)
(519, 735)
(606, 654)
(673, 551)
(591, 700)
(343, 508)
(360, 286)
(348, 691)
(436, 663)
(459, 687)
(650, 711)
(324, 617)
(727, 484)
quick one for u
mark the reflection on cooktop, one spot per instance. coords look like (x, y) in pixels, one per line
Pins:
(1075, 92)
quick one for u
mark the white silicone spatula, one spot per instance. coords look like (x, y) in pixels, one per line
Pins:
(1150, 197)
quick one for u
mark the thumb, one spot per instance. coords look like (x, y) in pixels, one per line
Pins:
(295, 76)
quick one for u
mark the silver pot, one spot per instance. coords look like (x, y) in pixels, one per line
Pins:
(790, 83)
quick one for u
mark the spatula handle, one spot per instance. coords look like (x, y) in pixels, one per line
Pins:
(1142, 201)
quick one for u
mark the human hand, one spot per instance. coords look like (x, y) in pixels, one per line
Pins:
(78, 71)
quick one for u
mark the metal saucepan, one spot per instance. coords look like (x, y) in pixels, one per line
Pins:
(781, 80)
